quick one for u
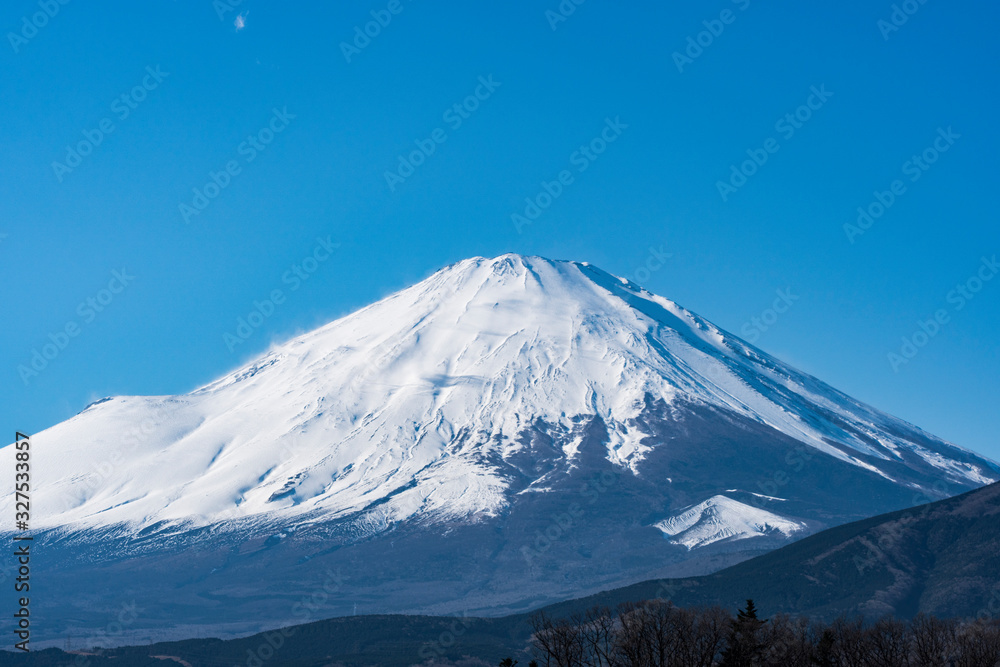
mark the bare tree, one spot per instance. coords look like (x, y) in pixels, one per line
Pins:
(688, 637)
(557, 643)
(889, 643)
(655, 633)
(933, 641)
(649, 634)
(977, 644)
(633, 645)
(710, 628)
(851, 646)
(788, 642)
(658, 634)
(598, 637)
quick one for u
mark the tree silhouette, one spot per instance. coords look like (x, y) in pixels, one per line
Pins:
(745, 646)
(824, 655)
(654, 633)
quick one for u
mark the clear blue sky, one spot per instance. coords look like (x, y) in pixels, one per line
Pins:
(66, 228)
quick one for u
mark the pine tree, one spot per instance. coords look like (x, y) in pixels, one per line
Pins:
(745, 646)
(824, 649)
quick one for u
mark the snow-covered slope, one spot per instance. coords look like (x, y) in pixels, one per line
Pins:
(721, 518)
(396, 409)
(508, 432)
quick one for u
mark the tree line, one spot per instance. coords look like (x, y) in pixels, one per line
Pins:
(656, 633)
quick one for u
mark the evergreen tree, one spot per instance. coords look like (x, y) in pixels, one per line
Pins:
(745, 645)
(824, 649)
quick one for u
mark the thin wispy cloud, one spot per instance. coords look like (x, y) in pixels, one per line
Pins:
(241, 21)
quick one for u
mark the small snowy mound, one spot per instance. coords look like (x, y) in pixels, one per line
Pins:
(720, 518)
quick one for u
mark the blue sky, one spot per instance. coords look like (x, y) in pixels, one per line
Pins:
(288, 135)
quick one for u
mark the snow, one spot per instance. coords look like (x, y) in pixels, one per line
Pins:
(759, 495)
(721, 518)
(390, 412)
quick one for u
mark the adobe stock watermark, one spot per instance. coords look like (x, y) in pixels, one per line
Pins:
(562, 12)
(223, 7)
(249, 149)
(100, 471)
(581, 158)
(563, 522)
(363, 35)
(294, 277)
(431, 650)
(992, 608)
(957, 298)
(304, 611)
(751, 331)
(913, 168)
(110, 635)
(696, 44)
(890, 535)
(666, 589)
(655, 260)
(454, 116)
(899, 17)
(786, 126)
(795, 460)
(30, 25)
(87, 310)
(122, 107)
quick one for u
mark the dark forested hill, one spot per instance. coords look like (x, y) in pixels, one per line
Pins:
(940, 558)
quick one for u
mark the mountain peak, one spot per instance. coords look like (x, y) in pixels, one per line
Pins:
(506, 270)
(416, 390)
(568, 427)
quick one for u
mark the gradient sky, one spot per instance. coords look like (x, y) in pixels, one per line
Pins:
(63, 232)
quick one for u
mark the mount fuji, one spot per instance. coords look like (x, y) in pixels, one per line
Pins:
(506, 433)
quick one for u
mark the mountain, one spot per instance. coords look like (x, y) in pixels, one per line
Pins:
(937, 559)
(508, 432)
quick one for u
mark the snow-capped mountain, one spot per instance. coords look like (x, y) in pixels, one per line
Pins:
(505, 421)
(398, 401)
